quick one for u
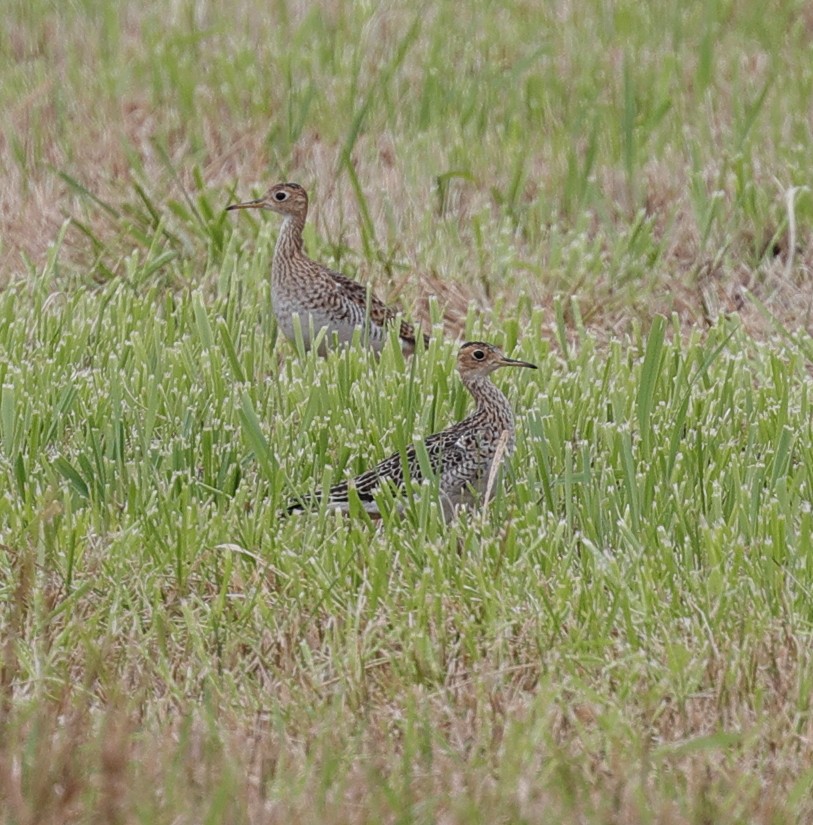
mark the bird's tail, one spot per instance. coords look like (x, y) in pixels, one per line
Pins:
(310, 501)
(337, 497)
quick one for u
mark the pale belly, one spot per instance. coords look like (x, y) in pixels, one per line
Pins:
(312, 320)
(471, 491)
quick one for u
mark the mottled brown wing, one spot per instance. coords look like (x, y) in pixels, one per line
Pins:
(446, 455)
(442, 449)
(380, 313)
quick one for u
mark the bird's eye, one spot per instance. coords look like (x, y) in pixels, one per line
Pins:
(281, 196)
(478, 355)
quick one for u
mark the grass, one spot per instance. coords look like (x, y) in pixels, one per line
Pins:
(624, 634)
(634, 157)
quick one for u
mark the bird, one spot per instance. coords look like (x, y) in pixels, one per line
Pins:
(464, 457)
(322, 298)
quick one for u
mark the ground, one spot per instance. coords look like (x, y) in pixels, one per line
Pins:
(616, 192)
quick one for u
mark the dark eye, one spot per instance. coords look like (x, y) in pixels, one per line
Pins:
(281, 196)
(478, 355)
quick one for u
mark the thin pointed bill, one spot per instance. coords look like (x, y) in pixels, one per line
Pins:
(255, 204)
(511, 362)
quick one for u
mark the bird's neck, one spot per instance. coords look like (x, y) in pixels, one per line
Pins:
(289, 242)
(490, 400)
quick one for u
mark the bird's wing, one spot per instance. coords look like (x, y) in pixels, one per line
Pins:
(446, 451)
(380, 313)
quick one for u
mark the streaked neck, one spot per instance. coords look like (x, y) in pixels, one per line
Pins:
(289, 242)
(490, 399)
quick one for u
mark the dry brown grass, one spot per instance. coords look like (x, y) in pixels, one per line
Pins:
(82, 755)
(506, 734)
(95, 144)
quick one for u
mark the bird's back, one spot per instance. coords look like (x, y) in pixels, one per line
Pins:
(460, 457)
(324, 298)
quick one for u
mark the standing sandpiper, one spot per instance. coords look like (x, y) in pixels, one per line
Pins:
(464, 456)
(322, 298)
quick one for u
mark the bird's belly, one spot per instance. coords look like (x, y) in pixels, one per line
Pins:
(313, 319)
(469, 486)
(464, 493)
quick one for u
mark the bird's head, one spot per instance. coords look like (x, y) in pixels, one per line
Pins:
(479, 358)
(284, 198)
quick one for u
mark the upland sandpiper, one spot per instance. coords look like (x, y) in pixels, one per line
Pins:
(320, 297)
(465, 457)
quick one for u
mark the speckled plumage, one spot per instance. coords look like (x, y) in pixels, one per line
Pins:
(320, 297)
(461, 455)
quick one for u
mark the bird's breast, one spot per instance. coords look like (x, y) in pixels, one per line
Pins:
(317, 311)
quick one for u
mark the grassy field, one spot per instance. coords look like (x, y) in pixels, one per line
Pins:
(615, 192)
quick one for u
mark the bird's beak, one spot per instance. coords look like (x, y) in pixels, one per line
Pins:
(258, 203)
(511, 362)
